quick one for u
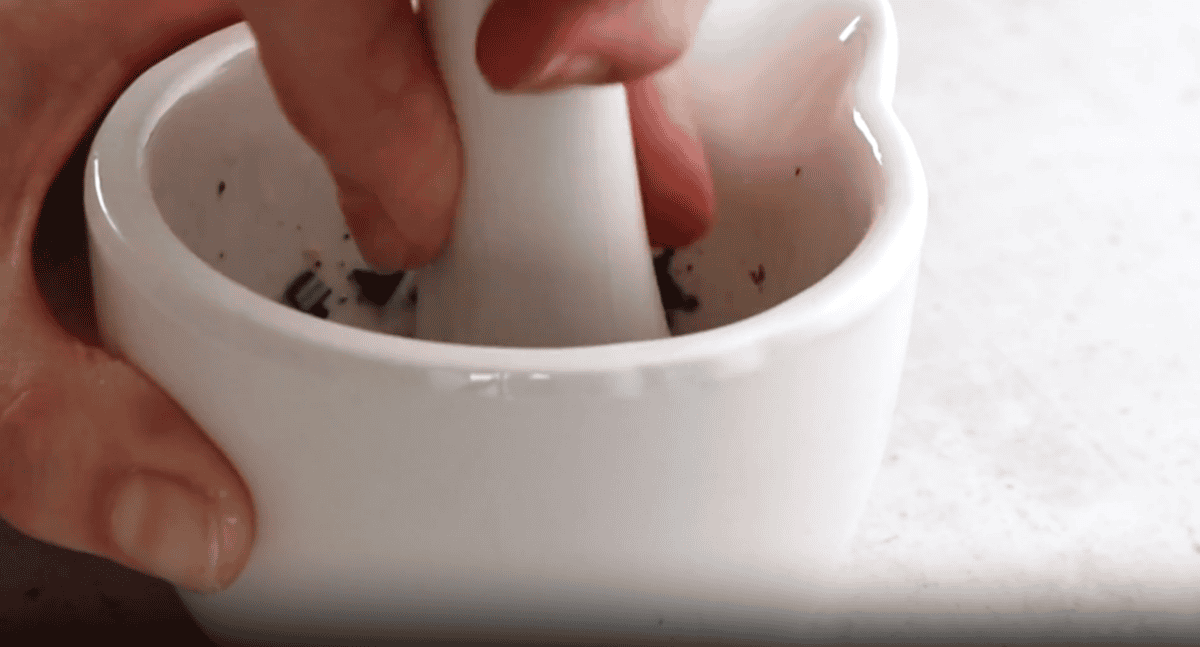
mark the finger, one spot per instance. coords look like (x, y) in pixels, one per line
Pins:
(98, 459)
(357, 79)
(677, 186)
(537, 45)
(93, 456)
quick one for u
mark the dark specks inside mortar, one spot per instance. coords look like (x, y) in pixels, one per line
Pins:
(374, 287)
(674, 299)
(758, 276)
(307, 293)
(220, 188)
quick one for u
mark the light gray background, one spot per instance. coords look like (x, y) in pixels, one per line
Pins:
(1048, 428)
(1045, 458)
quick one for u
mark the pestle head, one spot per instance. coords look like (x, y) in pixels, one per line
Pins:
(549, 247)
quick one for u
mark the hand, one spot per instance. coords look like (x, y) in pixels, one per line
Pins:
(93, 456)
(357, 78)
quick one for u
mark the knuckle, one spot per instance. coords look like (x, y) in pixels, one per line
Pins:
(50, 439)
(27, 442)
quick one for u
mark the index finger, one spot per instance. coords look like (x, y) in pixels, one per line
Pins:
(358, 80)
(545, 44)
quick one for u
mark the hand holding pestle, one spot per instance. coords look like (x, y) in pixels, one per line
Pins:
(549, 247)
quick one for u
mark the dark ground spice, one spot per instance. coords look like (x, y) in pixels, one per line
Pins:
(307, 293)
(674, 299)
(758, 276)
(374, 287)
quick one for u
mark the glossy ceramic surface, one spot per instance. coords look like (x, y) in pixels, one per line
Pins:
(549, 247)
(691, 484)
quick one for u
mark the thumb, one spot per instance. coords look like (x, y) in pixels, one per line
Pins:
(98, 459)
(93, 456)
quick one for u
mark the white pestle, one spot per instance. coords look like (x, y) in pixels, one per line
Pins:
(549, 248)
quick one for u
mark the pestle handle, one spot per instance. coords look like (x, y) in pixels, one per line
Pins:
(549, 247)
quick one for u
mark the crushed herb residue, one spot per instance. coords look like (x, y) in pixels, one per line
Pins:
(374, 287)
(674, 299)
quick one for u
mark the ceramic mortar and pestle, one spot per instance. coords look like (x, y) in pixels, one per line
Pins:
(441, 454)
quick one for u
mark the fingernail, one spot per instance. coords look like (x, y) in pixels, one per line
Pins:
(179, 535)
(568, 69)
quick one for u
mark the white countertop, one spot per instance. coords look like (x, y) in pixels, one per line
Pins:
(1045, 455)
